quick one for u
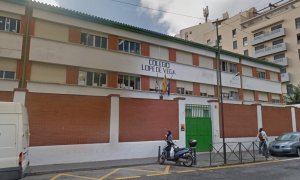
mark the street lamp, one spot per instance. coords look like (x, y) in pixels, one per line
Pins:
(219, 81)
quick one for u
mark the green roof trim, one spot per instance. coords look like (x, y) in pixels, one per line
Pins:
(99, 20)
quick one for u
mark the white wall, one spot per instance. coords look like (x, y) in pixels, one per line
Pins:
(261, 85)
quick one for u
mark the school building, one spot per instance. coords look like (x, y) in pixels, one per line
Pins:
(93, 87)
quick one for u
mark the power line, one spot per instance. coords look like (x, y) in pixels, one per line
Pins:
(159, 10)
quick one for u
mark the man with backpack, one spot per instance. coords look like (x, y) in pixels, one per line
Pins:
(262, 135)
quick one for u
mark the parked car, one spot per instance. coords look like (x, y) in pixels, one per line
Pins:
(286, 144)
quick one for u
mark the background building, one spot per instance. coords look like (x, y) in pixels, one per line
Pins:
(92, 87)
(271, 34)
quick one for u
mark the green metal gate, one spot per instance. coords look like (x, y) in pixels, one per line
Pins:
(198, 126)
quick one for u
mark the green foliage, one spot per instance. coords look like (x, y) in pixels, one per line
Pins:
(295, 97)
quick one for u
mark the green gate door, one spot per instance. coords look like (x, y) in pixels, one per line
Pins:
(198, 126)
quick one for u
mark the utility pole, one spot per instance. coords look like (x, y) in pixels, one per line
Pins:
(220, 90)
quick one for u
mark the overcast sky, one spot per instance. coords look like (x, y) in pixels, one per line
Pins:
(181, 13)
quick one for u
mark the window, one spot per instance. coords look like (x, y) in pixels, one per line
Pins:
(276, 27)
(234, 33)
(298, 38)
(289, 89)
(181, 90)
(9, 24)
(246, 52)
(258, 33)
(232, 95)
(297, 22)
(276, 101)
(261, 74)
(279, 56)
(129, 82)
(88, 78)
(283, 70)
(234, 44)
(129, 46)
(7, 75)
(93, 40)
(245, 41)
(260, 47)
(279, 41)
(228, 67)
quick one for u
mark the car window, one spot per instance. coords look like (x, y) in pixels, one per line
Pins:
(289, 137)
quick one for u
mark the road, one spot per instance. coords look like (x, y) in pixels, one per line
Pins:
(285, 169)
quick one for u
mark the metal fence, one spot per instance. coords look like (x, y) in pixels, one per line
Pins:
(237, 153)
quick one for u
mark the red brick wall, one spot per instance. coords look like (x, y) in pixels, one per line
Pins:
(239, 121)
(196, 59)
(173, 86)
(196, 89)
(276, 120)
(112, 42)
(145, 83)
(6, 96)
(112, 78)
(74, 35)
(147, 120)
(172, 54)
(268, 76)
(67, 119)
(72, 75)
(145, 49)
(254, 72)
(297, 118)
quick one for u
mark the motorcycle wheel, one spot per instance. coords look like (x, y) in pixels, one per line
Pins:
(162, 158)
(188, 160)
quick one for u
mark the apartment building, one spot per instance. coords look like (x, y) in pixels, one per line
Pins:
(92, 85)
(271, 34)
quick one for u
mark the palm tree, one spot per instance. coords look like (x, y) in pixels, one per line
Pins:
(294, 98)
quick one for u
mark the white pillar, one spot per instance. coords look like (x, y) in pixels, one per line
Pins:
(20, 96)
(114, 118)
(294, 122)
(259, 116)
(214, 107)
(181, 116)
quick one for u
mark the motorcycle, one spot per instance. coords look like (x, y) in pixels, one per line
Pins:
(181, 155)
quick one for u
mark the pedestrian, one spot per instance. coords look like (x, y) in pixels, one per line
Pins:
(169, 139)
(263, 138)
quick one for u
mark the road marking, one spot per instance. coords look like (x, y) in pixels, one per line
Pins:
(128, 177)
(186, 171)
(167, 170)
(237, 165)
(71, 175)
(112, 172)
(56, 176)
(141, 170)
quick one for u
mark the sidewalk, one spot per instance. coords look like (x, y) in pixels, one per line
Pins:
(203, 160)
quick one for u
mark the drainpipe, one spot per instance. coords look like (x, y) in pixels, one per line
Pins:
(28, 13)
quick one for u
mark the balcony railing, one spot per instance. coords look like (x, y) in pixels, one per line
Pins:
(285, 77)
(268, 36)
(270, 50)
(281, 61)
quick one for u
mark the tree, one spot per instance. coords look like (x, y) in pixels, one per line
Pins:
(294, 98)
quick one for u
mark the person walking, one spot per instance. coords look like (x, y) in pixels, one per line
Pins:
(263, 138)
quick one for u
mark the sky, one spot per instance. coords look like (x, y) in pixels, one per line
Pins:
(164, 16)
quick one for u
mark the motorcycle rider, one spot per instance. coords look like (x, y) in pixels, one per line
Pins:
(169, 139)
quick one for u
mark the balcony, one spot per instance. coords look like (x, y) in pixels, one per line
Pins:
(268, 36)
(285, 77)
(270, 50)
(281, 61)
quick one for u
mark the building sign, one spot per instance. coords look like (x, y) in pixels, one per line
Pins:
(158, 66)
